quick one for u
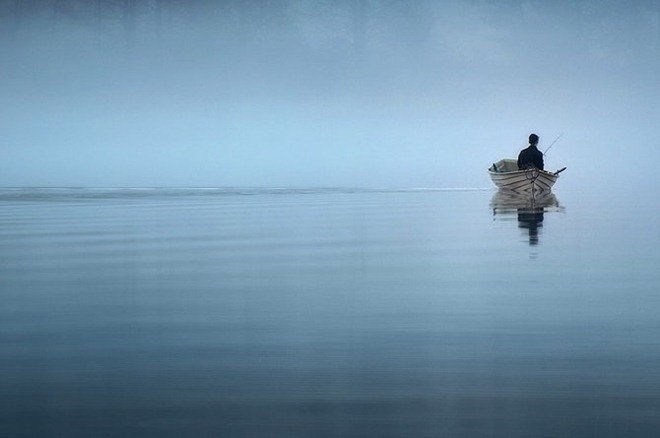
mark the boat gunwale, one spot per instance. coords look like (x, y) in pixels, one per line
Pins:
(523, 171)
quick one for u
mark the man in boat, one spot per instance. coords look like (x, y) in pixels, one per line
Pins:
(531, 157)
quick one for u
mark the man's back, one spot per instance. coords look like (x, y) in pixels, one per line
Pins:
(530, 157)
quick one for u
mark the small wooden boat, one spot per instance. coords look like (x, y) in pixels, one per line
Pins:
(505, 175)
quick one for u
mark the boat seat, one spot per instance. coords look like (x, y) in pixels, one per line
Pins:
(505, 165)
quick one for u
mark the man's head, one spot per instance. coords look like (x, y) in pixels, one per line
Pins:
(533, 139)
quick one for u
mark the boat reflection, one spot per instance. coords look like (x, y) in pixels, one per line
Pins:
(529, 208)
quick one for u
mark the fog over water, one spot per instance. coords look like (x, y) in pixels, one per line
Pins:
(325, 93)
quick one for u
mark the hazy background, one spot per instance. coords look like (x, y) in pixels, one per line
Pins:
(376, 93)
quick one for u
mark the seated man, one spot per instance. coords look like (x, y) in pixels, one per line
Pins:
(531, 157)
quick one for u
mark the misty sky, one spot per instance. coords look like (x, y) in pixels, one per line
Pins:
(373, 93)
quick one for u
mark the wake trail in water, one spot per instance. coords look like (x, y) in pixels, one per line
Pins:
(52, 193)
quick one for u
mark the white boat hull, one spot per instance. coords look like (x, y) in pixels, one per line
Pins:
(529, 180)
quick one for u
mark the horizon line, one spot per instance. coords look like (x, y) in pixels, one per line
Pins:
(364, 188)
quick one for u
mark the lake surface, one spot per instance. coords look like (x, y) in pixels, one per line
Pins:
(273, 312)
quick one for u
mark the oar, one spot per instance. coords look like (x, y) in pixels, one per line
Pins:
(560, 170)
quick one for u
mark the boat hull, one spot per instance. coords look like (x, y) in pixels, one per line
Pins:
(530, 180)
(506, 176)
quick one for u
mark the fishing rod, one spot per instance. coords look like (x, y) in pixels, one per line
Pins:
(551, 144)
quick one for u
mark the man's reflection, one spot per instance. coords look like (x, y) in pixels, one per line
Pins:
(532, 220)
(529, 207)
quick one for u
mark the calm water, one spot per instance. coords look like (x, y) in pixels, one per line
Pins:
(327, 313)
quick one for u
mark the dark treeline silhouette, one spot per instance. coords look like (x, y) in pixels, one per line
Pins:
(300, 43)
(355, 23)
(350, 21)
(393, 32)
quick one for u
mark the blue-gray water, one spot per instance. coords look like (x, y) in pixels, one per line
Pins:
(266, 312)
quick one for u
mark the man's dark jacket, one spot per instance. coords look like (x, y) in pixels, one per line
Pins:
(530, 157)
